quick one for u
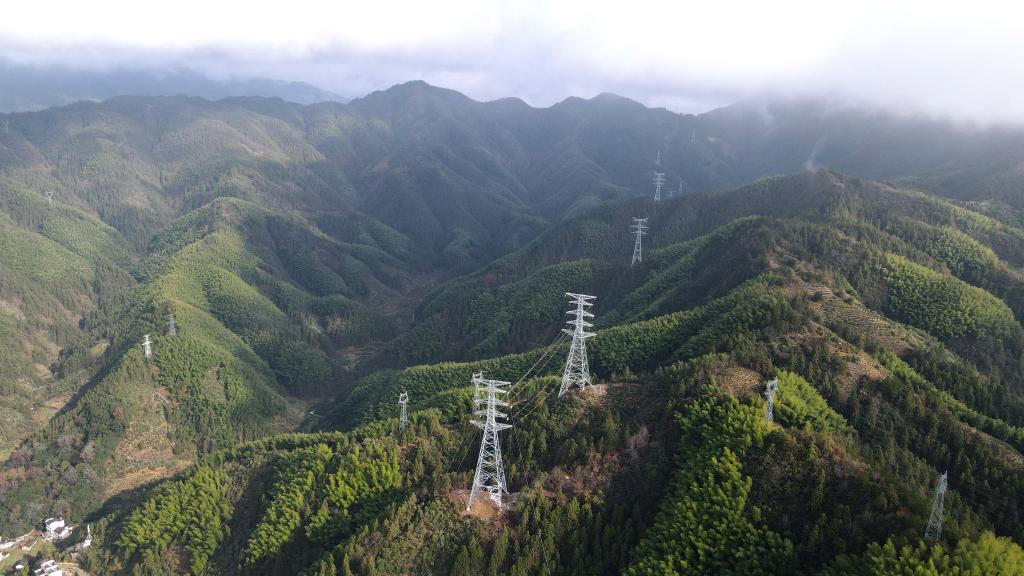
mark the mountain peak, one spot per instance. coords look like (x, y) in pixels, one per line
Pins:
(415, 95)
(612, 97)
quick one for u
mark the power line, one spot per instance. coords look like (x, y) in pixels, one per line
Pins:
(547, 351)
(519, 407)
(534, 403)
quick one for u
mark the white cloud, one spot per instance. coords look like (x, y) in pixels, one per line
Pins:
(949, 58)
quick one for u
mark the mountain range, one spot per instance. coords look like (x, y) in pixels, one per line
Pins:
(318, 260)
(35, 87)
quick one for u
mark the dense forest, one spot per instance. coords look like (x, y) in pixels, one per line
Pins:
(319, 261)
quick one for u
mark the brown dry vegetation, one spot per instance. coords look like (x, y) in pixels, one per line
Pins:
(147, 452)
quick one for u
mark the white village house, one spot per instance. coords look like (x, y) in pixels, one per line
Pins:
(56, 529)
(49, 568)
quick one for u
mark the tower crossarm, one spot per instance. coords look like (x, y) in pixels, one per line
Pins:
(579, 322)
(576, 296)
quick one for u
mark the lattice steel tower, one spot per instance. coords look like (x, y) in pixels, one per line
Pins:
(659, 182)
(934, 530)
(769, 395)
(172, 325)
(403, 411)
(490, 472)
(147, 347)
(639, 228)
(577, 369)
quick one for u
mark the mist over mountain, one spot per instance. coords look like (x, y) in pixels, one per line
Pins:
(318, 260)
(24, 87)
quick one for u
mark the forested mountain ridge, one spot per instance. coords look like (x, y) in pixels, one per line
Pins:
(263, 308)
(313, 253)
(27, 88)
(698, 246)
(864, 300)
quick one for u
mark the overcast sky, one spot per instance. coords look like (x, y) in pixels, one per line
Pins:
(963, 59)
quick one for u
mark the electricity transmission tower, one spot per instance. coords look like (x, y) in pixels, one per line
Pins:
(680, 189)
(403, 412)
(659, 181)
(639, 228)
(769, 395)
(577, 369)
(490, 472)
(172, 325)
(657, 161)
(49, 197)
(147, 347)
(934, 530)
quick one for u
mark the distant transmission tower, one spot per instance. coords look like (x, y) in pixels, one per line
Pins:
(490, 472)
(49, 197)
(172, 325)
(403, 412)
(769, 395)
(147, 347)
(657, 161)
(934, 530)
(680, 189)
(639, 228)
(659, 181)
(577, 369)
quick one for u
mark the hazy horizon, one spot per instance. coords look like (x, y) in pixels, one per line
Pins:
(952, 61)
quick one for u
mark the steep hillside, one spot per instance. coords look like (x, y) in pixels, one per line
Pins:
(594, 487)
(319, 260)
(704, 244)
(61, 270)
(868, 303)
(264, 307)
